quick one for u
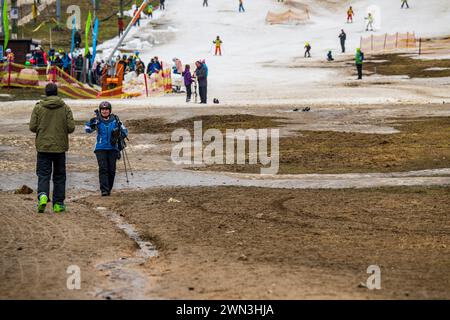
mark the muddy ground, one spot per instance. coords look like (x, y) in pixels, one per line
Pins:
(327, 139)
(238, 242)
(219, 243)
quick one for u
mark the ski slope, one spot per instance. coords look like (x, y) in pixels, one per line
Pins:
(256, 56)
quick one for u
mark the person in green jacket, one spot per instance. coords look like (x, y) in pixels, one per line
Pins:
(52, 121)
(359, 58)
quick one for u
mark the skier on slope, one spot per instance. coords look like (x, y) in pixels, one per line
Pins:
(150, 11)
(218, 44)
(241, 6)
(307, 50)
(350, 15)
(369, 22)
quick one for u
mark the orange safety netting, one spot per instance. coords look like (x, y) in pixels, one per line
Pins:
(296, 4)
(388, 42)
(434, 45)
(288, 17)
(15, 75)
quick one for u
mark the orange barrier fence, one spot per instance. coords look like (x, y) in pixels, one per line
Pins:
(15, 75)
(389, 42)
(404, 42)
(434, 46)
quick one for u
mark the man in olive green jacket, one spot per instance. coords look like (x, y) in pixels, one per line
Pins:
(52, 121)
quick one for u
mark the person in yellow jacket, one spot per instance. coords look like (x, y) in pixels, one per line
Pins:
(307, 50)
(218, 44)
(350, 15)
(150, 11)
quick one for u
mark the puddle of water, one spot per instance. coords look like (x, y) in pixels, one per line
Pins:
(129, 283)
(87, 181)
(7, 148)
(146, 248)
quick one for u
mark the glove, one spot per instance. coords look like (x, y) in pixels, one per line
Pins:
(93, 123)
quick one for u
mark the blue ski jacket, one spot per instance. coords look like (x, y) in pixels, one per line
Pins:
(104, 132)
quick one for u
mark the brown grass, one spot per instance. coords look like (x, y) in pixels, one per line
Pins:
(397, 65)
(421, 144)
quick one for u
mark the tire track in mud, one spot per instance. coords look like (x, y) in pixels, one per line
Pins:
(37, 248)
(25, 228)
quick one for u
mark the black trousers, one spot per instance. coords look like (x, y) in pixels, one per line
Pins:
(106, 168)
(46, 164)
(343, 46)
(188, 92)
(359, 69)
(203, 94)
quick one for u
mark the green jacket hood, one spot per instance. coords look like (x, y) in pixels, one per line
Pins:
(52, 102)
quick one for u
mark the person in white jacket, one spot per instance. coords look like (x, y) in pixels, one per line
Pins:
(369, 22)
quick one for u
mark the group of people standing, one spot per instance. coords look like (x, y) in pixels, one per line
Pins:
(201, 76)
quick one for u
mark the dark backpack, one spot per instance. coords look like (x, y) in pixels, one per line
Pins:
(118, 136)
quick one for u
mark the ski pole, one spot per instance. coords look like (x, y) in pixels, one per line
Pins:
(128, 160)
(125, 165)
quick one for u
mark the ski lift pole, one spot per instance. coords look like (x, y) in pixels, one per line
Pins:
(132, 22)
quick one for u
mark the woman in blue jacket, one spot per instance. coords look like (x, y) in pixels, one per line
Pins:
(109, 129)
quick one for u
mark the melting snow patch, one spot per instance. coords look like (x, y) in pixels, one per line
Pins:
(436, 69)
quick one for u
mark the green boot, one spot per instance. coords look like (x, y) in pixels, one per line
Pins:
(57, 208)
(43, 199)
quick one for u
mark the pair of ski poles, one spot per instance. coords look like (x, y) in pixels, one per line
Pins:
(125, 161)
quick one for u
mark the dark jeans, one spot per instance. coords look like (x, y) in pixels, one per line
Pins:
(188, 92)
(46, 163)
(343, 46)
(203, 94)
(78, 75)
(359, 69)
(106, 169)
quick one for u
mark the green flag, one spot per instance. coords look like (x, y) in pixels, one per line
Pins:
(86, 34)
(5, 25)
